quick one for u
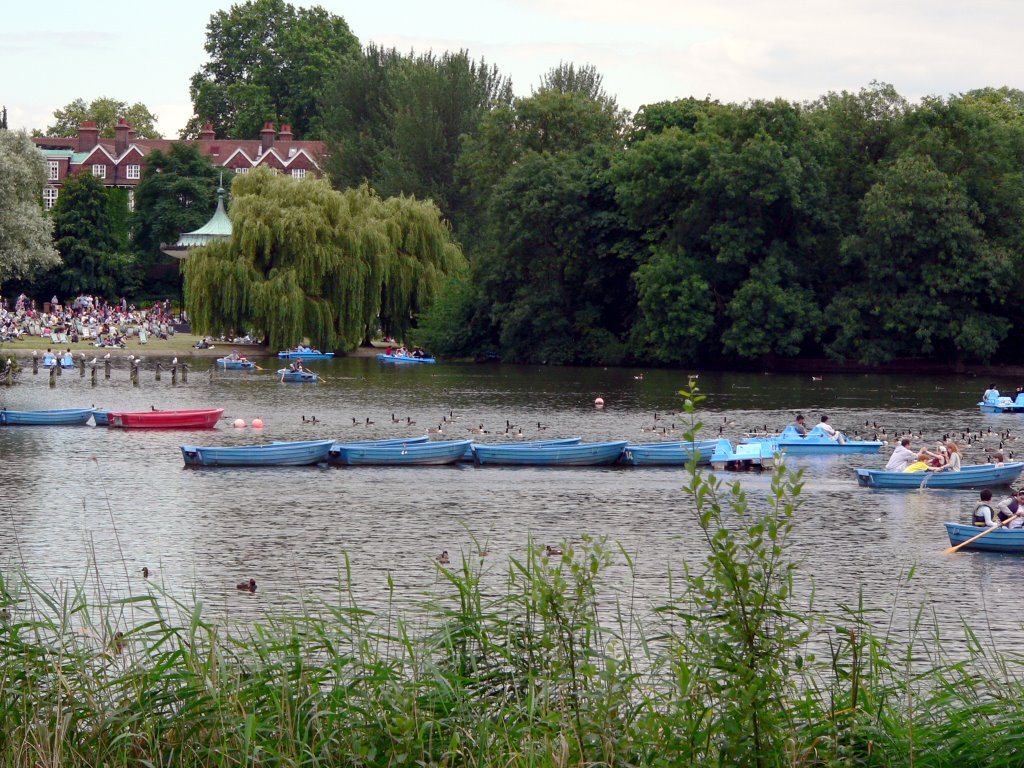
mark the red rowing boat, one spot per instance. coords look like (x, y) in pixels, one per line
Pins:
(204, 419)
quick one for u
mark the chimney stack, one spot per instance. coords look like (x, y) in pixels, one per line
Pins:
(267, 136)
(88, 135)
(121, 131)
(207, 134)
(285, 135)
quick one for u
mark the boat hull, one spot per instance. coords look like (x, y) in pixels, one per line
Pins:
(468, 455)
(972, 476)
(670, 454)
(235, 365)
(1009, 541)
(101, 418)
(400, 359)
(573, 455)
(816, 443)
(63, 417)
(297, 377)
(405, 454)
(314, 355)
(277, 454)
(195, 419)
(1008, 406)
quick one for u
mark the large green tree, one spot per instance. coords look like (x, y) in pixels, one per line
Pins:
(268, 62)
(26, 235)
(105, 112)
(397, 122)
(307, 261)
(84, 232)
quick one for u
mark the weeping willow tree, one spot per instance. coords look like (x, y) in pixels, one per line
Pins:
(307, 261)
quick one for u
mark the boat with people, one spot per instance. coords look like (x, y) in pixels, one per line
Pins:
(407, 453)
(970, 476)
(394, 357)
(563, 455)
(676, 453)
(277, 454)
(60, 417)
(293, 376)
(205, 418)
(237, 363)
(306, 353)
(816, 443)
(1002, 404)
(998, 539)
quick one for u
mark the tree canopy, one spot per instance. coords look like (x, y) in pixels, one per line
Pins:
(105, 112)
(268, 62)
(83, 228)
(26, 235)
(307, 261)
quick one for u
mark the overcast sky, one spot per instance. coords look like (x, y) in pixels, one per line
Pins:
(647, 50)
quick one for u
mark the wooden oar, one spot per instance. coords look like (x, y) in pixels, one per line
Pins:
(258, 368)
(986, 532)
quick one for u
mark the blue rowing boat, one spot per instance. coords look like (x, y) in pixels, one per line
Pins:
(971, 476)
(101, 418)
(277, 454)
(386, 358)
(61, 417)
(340, 444)
(286, 374)
(565, 455)
(468, 455)
(670, 454)
(308, 354)
(1006, 540)
(816, 443)
(235, 364)
(404, 454)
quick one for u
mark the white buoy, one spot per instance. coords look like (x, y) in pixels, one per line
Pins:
(599, 402)
(257, 423)
(239, 423)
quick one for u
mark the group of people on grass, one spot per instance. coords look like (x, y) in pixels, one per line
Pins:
(85, 318)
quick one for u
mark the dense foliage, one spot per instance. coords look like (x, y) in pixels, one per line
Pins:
(105, 112)
(268, 62)
(26, 236)
(307, 261)
(85, 233)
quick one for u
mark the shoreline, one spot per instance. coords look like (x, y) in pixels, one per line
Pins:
(180, 345)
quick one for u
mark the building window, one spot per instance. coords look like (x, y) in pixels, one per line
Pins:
(131, 195)
(241, 170)
(54, 168)
(298, 173)
(49, 197)
(134, 172)
(99, 171)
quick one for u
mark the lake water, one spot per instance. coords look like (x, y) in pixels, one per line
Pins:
(82, 502)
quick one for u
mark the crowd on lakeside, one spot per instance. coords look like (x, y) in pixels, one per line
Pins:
(89, 319)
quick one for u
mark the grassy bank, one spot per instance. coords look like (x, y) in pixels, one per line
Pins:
(561, 667)
(179, 345)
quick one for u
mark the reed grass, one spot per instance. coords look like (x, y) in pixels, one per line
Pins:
(564, 666)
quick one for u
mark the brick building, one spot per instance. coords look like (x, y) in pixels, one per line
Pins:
(119, 161)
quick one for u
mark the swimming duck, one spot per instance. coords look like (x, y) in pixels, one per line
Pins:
(443, 558)
(145, 572)
(246, 586)
(550, 550)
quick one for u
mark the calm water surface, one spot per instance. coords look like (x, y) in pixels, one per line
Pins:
(84, 500)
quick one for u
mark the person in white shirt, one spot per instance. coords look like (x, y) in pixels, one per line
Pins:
(902, 457)
(829, 430)
(991, 394)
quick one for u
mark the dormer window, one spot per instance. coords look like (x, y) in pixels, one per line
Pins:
(53, 167)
